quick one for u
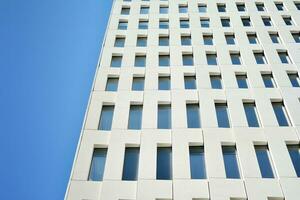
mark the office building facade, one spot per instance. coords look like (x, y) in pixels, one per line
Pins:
(194, 100)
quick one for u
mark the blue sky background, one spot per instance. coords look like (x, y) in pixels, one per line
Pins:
(48, 55)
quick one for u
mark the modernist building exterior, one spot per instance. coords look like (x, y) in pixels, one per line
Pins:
(194, 100)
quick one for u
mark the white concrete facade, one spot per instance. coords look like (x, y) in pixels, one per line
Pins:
(251, 185)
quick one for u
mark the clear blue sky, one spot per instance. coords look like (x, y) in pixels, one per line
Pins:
(48, 54)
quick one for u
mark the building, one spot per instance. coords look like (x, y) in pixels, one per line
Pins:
(194, 100)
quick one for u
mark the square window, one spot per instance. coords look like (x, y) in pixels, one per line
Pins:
(230, 39)
(186, 40)
(112, 84)
(183, 9)
(122, 25)
(216, 81)
(125, 11)
(260, 6)
(164, 83)
(163, 41)
(241, 7)
(119, 42)
(268, 80)
(204, 23)
(279, 6)
(297, 4)
(294, 78)
(163, 24)
(252, 38)
(246, 21)
(187, 60)
(143, 24)
(296, 37)
(164, 60)
(190, 82)
(242, 81)
(202, 8)
(184, 23)
(140, 61)
(235, 58)
(211, 59)
(267, 21)
(116, 61)
(288, 21)
(284, 57)
(208, 39)
(221, 7)
(260, 58)
(275, 37)
(141, 41)
(144, 10)
(163, 10)
(138, 83)
(225, 22)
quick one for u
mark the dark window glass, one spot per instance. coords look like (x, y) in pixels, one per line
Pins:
(280, 113)
(97, 165)
(135, 117)
(252, 38)
(184, 23)
(164, 60)
(296, 36)
(164, 117)
(187, 60)
(235, 58)
(208, 39)
(225, 22)
(260, 58)
(140, 61)
(193, 116)
(197, 163)
(246, 21)
(241, 7)
(279, 6)
(284, 57)
(122, 25)
(186, 40)
(262, 155)
(294, 78)
(294, 152)
(164, 163)
(260, 6)
(190, 82)
(163, 41)
(144, 10)
(183, 9)
(163, 10)
(164, 83)
(202, 8)
(125, 11)
(112, 84)
(131, 163)
(119, 42)
(230, 162)
(221, 8)
(141, 42)
(267, 21)
(211, 59)
(215, 81)
(204, 23)
(251, 114)
(138, 83)
(288, 21)
(230, 39)
(222, 115)
(297, 4)
(116, 61)
(268, 80)
(143, 24)
(242, 81)
(106, 118)
(163, 24)
(275, 37)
